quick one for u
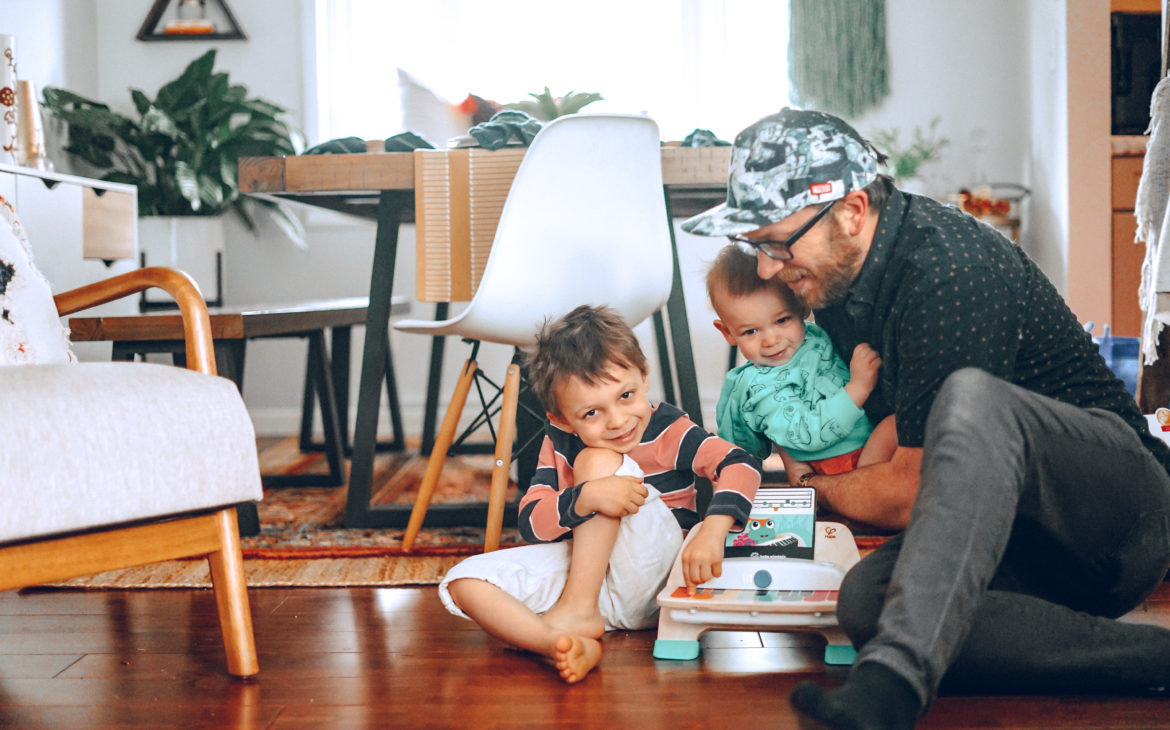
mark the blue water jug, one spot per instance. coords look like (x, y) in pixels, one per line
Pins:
(1121, 355)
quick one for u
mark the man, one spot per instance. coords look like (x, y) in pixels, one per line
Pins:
(1033, 502)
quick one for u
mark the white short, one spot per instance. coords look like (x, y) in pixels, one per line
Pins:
(648, 542)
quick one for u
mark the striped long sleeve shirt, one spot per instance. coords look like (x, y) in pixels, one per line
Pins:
(673, 451)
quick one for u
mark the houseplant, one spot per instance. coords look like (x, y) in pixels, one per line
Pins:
(546, 107)
(182, 148)
(906, 162)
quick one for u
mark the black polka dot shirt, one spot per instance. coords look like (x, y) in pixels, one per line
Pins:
(940, 291)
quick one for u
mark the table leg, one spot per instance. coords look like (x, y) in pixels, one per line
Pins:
(339, 339)
(680, 334)
(374, 354)
(684, 360)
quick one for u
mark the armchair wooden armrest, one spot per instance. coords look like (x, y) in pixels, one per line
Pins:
(192, 307)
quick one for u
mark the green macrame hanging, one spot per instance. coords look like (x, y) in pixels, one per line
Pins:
(837, 58)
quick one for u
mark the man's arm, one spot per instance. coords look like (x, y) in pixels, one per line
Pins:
(881, 494)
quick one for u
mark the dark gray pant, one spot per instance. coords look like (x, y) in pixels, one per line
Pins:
(1036, 524)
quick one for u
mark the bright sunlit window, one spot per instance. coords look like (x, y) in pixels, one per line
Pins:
(708, 64)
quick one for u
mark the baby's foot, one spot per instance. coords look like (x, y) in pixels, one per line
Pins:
(575, 656)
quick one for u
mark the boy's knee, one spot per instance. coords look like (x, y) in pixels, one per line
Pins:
(592, 463)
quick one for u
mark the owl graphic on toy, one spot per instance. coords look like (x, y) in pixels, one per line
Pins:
(781, 573)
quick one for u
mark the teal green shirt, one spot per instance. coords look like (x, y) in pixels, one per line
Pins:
(801, 406)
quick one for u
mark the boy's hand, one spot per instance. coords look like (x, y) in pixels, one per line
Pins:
(863, 372)
(612, 496)
(702, 558)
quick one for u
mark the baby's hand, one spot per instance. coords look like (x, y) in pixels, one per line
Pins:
(864, 364)
(613, 496)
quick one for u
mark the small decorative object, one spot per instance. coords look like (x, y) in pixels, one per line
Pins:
(190, 23)
(8, 136)
(30, 128)
(997, 204)
(1163, 417)
(905, 163)
(191, 10)
(546, 107)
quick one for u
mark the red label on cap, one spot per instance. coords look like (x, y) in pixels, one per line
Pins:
(820, 188)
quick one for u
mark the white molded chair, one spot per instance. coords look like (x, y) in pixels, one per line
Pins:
(112, 465)
(584, 223)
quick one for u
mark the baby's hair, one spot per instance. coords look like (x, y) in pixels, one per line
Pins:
(582, 344)
(733, 272)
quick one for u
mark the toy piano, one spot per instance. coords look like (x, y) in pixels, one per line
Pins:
(763, 592)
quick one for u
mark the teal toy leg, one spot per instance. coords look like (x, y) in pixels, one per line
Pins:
(678, 641)
(838, 649)
(677, 649)
(839, 654)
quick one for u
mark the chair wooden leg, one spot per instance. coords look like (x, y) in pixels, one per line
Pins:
(439, 454)
(506, 435)
(231, 598)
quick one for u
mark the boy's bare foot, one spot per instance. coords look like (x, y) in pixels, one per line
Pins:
(574, 656)
(570, 622)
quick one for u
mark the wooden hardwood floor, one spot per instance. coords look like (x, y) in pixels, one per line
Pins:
(392, 657)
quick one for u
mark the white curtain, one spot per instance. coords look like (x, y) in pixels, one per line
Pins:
(708, 64)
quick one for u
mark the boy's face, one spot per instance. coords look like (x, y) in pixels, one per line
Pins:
(761, 325)
(610, 414)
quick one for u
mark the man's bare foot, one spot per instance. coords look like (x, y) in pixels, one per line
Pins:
(567, 621)
(575, 656)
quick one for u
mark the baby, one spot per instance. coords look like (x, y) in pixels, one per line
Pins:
(794, 391)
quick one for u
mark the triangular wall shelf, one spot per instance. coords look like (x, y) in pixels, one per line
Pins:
(151, 32)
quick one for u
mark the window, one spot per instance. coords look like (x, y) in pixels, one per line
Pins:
(710, 64)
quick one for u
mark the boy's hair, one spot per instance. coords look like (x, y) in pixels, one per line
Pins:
(582, 344)
(733, 272)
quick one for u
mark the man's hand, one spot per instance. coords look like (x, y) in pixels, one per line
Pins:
(702, 556)
(612, 496)
(863, 373)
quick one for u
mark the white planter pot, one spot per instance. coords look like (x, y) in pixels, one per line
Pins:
(193, 244)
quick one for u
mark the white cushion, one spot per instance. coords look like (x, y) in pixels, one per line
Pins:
(96, 444)
(30, 331)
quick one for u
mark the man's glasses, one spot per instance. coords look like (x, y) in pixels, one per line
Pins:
(782, 250)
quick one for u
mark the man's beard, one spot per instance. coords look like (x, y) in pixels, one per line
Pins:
(834, 280)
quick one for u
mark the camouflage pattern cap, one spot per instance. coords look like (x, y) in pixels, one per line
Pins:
(785, 162)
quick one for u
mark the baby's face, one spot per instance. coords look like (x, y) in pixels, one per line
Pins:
(612, 413)
(761, 325)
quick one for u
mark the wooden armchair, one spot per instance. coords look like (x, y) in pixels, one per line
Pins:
(112, 465)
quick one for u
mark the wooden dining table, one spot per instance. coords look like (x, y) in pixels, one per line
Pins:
(380, 186)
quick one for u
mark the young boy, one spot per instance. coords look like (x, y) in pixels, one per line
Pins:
(794, 391)
(558, 597)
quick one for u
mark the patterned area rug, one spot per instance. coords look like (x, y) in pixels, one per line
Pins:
(303, 542)
(307, 522)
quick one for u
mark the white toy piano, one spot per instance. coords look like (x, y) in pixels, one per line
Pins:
(762, 593)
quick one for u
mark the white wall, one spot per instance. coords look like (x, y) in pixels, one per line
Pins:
(993, 71)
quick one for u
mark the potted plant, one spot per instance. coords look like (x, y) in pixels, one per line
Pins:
(546, 107)
(181, 148)
(905, 162)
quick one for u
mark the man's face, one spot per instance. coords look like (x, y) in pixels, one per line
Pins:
(825, 261)
(612, 413)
